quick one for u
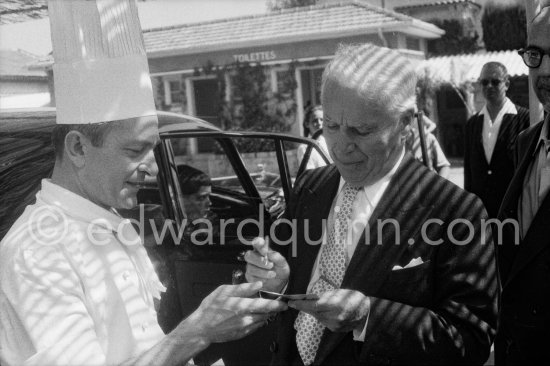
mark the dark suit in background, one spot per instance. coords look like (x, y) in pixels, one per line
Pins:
(441, 311)
(489, 180)
(524, 326)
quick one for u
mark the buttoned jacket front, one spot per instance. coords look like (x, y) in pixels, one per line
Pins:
(490, 179)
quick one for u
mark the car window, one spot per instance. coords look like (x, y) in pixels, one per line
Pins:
(260, 159)
(302, 156)
(208, 155)
(204, 157)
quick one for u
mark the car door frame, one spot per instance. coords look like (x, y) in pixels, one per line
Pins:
(168, 180)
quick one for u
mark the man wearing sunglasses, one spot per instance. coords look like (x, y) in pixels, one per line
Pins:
(524, 255)
(491, 135)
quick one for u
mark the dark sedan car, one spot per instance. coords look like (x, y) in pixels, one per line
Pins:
(252, 174)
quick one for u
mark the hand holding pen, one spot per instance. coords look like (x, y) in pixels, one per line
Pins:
(266, 265)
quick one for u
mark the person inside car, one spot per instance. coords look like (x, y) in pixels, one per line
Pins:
(196, 188)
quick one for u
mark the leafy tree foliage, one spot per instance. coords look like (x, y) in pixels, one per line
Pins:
(252, 89)
(252, 105)
(285, 4)
(504, 27)
(453, 41)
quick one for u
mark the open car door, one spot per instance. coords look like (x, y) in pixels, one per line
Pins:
(252, 175)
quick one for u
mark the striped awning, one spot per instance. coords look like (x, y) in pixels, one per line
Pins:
(462, 68)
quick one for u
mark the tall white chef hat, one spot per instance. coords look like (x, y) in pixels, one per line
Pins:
(100, 66)
(539, 6)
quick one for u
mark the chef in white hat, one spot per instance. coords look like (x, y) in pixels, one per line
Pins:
(76, 285)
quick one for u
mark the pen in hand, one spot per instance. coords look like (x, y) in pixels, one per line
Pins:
(261, 247)
(265, 260)
(266, 265)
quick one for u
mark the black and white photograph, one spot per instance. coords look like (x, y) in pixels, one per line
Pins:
(274, 182)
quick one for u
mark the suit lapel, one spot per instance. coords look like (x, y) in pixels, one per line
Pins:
(371, 263)
(537, 237)
(315, 204)
(478, 138)
(539, 231)
(509, 205)
(400, 201)
(506, 248)
(502, 132)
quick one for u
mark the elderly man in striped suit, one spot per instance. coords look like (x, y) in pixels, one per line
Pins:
(406, 270)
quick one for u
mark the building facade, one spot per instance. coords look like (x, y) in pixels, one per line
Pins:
(467, 12)
(198, 69)
(20, 85)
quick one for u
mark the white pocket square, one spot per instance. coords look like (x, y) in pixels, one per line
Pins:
(413, 263)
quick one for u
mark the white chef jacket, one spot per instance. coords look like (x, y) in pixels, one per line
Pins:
(71, 293)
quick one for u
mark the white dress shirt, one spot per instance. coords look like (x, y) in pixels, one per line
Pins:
(363, 206)
(76, 285)
(491, 128)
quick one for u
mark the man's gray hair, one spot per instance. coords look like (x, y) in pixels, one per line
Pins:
(382, 77)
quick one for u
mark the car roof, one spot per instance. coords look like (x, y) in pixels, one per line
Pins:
(26, 153)
(37, 119)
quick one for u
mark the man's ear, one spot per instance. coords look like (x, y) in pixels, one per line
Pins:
(406, 121)
(507, 82)
(76, 147)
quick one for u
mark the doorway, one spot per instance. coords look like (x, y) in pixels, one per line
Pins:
(206, 96)
(310, 90)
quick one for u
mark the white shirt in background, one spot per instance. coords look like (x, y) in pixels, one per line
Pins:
(491, 128)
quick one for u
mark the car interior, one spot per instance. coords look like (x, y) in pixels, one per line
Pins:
(192, 265)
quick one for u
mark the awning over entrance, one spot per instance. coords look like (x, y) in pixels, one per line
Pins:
(457, 69)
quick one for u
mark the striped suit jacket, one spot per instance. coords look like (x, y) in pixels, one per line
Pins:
(441, 311)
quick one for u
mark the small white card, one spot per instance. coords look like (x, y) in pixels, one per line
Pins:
(286, 297)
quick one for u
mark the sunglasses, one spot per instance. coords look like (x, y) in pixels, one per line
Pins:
(532, 56)
(493, 82)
